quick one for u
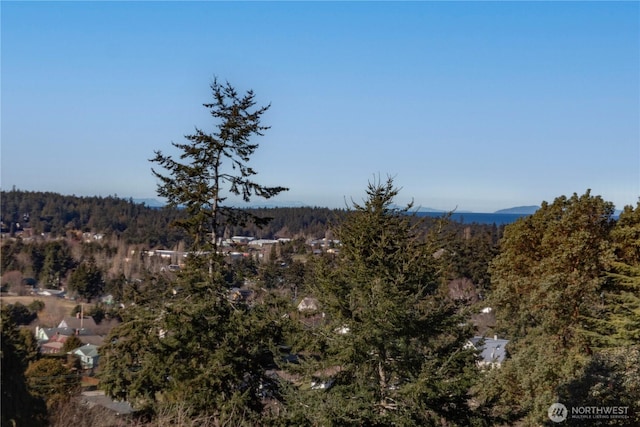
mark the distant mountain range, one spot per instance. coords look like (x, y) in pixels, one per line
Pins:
(517, 210)
(520, 210)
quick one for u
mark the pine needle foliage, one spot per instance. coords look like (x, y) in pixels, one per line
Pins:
(391, 351)
(619, 322)
(214, 165)
(192, 346)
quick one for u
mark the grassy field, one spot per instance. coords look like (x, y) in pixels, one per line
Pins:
(55, 309)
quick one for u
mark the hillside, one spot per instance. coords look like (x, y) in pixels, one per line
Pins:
(35, 213)
(519, 210)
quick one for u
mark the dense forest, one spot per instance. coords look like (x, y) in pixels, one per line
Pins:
(56, 215)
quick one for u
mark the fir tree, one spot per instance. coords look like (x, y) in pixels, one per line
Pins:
(19, 406)
(214, 165)
(86, 280)
(192, 344)
(391, 351)
(618, 323)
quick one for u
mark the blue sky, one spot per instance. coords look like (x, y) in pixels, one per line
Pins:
(479, 106)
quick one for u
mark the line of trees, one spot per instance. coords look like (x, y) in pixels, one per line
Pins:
(58, 216)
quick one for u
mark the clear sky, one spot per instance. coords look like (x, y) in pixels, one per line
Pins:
(479, 106)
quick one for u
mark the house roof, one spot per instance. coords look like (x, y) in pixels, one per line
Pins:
(53, 345)
(77, 323)
(59, 338)
(88, 350)
(96, 340)
(493, 350)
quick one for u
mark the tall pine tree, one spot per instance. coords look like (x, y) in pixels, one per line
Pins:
(391, 351)
(192, 346)
(213, 166)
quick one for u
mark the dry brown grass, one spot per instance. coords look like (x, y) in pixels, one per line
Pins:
(55, 309)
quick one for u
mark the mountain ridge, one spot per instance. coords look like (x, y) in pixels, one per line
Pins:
(520, 210)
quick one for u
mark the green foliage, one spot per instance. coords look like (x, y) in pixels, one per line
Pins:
(619, 321)
(71, 344)
(216, 165)
(390, 348)
(19, 313)
(529, 380)
(129, 368)
(36, 306)
(470, 252)
(59, 214)
(27, 258)
(19, 406)
(51, 380)
(194, 345)
(547, 284)
(550, 269)
(611, 378)
(565, 287)
(197, 348)
(98, 312)
(10, 250)
(626, 236)
(28, 345)
(57, 262)
(87, 280)
(135, 223)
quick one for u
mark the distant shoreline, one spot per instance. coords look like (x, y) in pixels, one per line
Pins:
(478, 218)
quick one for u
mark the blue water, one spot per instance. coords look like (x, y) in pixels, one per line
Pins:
(478, 218)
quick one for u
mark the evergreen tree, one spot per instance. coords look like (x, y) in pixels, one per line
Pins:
(214, 165)
(391, 351)
(626, 235)
(198, 348)
(547, 283)
(193, 344)
(129, 366)
(28, 345)
(550, 269)
(618, 322)
(57, 261)
(19, 406)
(71, 344)
(19, 313)
(611, 378)
(87, 280)
(51, 380)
